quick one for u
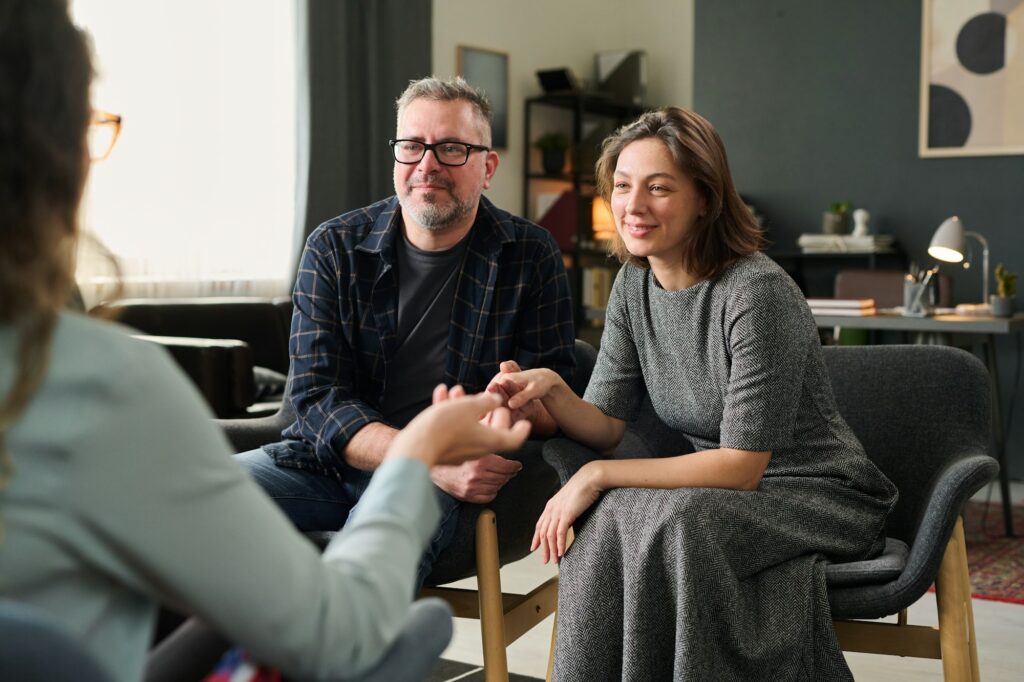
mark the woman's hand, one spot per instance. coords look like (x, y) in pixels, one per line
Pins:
(521, 387)
(543, 423)
(562, 510)
(453, 429)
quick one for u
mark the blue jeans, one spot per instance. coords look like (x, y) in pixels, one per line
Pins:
(320, 503)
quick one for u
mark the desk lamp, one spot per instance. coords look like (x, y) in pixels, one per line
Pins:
(948, 245)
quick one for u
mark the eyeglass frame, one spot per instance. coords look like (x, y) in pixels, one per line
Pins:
(105, 118)
(432, 147)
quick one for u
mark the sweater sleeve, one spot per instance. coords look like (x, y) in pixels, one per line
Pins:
(179, 520)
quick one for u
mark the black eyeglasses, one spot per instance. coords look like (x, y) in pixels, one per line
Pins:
(446, 153)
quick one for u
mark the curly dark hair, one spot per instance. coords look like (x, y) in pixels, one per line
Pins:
(45, 74)
(728, 231)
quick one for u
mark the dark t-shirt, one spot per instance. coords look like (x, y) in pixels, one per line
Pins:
(426, 292)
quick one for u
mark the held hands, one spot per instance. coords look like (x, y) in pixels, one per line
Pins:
(479, 480)
(562, 510)
(451, 430)
(521, 390)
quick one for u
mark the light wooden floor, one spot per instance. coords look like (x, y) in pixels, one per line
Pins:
(999, 627)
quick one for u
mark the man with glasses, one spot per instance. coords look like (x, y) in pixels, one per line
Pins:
(433, 285)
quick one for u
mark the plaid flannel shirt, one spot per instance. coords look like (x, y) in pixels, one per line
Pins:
(512, 302)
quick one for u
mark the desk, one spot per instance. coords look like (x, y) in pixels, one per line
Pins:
(987, 327)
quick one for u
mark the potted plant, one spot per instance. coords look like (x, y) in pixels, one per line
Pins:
(552, 147)
(1006, 292)
(836, 220)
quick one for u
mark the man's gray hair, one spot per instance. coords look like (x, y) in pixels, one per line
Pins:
(450, 90)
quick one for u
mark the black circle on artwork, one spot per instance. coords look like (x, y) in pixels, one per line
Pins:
(981, 43)
(949, 118)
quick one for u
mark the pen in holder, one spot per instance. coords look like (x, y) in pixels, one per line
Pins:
(919, 297)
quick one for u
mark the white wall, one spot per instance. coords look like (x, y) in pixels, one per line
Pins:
(540, 34)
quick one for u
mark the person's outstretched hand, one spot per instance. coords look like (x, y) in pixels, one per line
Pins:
(477, 480)
(451, 431)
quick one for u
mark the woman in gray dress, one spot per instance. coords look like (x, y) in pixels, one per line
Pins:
(707, 563)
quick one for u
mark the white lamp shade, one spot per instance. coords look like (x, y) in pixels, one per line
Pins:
(948, 241)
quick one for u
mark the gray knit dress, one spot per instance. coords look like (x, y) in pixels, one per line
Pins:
(713, 584)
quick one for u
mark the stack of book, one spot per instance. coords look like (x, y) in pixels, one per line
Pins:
(848, 307)
(845, 243)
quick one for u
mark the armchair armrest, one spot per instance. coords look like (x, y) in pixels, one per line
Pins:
(949, 492)
(567, 456)
(220, 368)
(249, 434)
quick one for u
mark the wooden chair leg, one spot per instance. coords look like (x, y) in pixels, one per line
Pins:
(551, 653)
(492, 613)
(956, 631)
(969, 608)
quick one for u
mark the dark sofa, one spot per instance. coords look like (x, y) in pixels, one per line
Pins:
(234, 349)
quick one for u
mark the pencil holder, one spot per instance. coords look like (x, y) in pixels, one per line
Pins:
(918, 299)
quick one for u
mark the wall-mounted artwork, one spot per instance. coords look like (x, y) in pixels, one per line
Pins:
(488, 70)
(972, 78)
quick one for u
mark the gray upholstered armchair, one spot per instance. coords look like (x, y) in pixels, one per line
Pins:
(922, 413)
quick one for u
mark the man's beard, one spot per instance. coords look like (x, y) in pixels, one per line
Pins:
(430, 213)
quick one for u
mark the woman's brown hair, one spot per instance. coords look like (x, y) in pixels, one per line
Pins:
(45, 73)
(727, 230)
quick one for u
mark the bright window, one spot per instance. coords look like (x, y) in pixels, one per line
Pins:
(197, 197)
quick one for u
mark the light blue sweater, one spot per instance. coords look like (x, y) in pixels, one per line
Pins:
(125, 494)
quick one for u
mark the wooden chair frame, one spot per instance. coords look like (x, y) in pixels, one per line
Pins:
(953, 641)
(503, 617)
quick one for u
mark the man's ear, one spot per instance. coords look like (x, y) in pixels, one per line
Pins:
(490, 166)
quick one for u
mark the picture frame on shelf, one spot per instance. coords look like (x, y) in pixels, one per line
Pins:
(970, 102)
(488, 70)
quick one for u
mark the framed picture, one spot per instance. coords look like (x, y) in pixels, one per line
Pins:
(488, 70)
(972, 78)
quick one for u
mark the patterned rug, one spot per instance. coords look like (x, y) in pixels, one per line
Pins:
(996, 562)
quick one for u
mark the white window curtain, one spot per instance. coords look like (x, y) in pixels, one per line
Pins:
(198, 196)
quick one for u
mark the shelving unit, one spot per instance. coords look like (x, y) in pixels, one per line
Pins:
(815, 273)
(587, 119)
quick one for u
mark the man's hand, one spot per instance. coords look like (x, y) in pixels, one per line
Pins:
(532, 410)
(477, 481)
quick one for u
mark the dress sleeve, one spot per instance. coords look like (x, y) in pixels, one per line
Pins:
(769, 331)
(617, 384)
(179, 521)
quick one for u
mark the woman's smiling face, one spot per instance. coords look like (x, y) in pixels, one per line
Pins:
(654, 203)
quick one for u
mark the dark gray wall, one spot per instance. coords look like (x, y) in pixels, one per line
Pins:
(818, 101)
